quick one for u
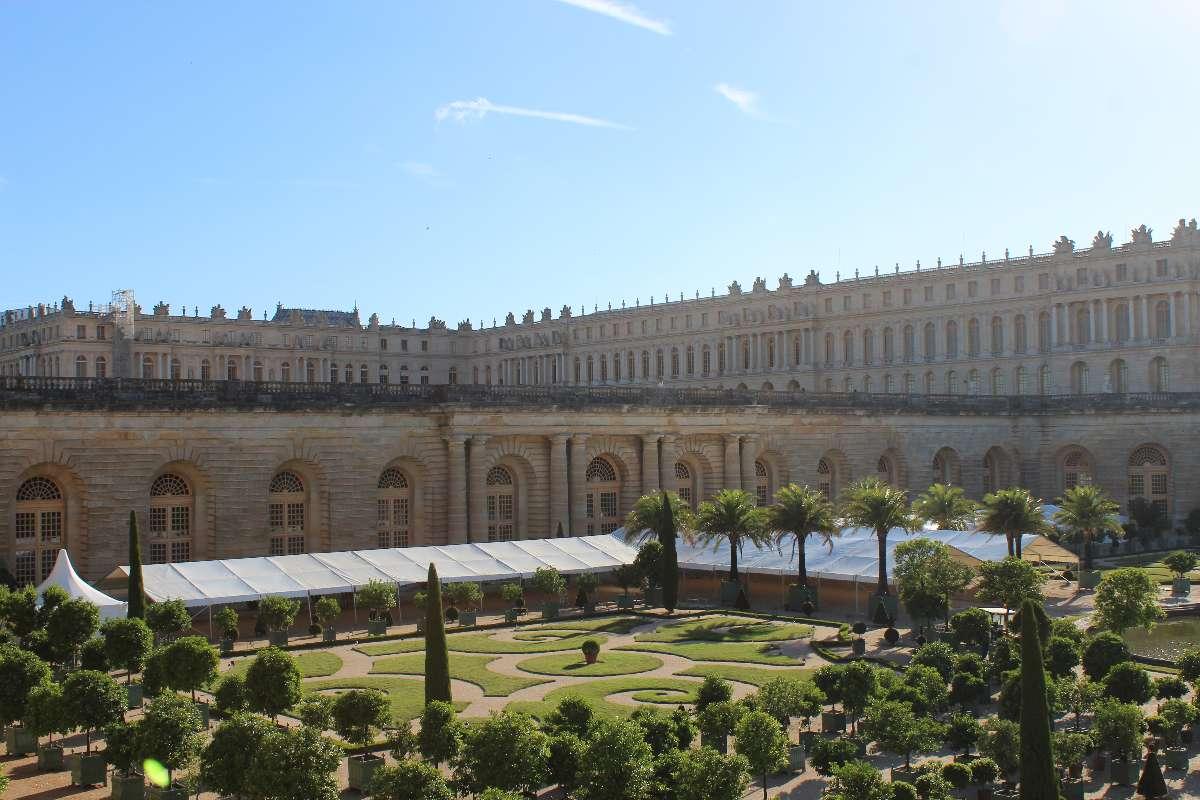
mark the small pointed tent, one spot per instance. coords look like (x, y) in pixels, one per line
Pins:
(64, 576)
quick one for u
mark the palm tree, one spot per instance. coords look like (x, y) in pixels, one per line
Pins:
(649, 517)
(800, 512)
(1087, 512)
(732, 516)
(1012, 512)
(873, 504)
(946, 507)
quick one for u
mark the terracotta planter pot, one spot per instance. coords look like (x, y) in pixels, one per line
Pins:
(590, 658)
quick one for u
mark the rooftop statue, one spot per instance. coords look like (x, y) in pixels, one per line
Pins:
(1142, 235)
(1064, 246)
(735, 288)
(1102, 241)
(785, 282)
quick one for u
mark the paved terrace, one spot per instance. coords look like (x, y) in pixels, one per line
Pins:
(129, 394)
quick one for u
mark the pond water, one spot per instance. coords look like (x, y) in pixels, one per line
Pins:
(1166, 639)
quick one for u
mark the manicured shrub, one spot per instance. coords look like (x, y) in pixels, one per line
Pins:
(92, 655)
(327, 609)
(316, 711)
(958, 775)
(377, 597)
(170, 733)
(616, 763)
(276, 614)
(573, 715)
(829, 753)
(513, 594)
(187, 664)
(1129, 683)
(441, 733)
(549, 582)
(984, 771)
(437, 656)
(127, 643)
(590, 648)
(972, 627)
(1169, 687)
(69, 627)
(902, 790)
(1118, 727)
(938, 655)
(93, 701)
(506, 751)
(1102, 652)
(230, 694)
(168, 618)
(1062, 656)
(566, 750)
(713, 690)
(892, 636)
(226, 621)
(409, 780)
(358, 714)
(272, 682)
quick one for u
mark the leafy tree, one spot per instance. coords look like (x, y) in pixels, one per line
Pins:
(566, 752)
(732, 516)
(314, 710)
(933, 786)
(1070, 748)
(91, 655)
(1003, 657)
(859, 683)
(226, 621)
(783, 697)
(857, 780)
(1063, 628)
(468, 594)
(272, 682)
(1129, 683)
(658, 729)
(1189, 664)
(927, 575)
(127, 643)
(705, 774)
(923, 688)
(1078, 695)
(549, 582)
(20, 671)
(168, 618)
(1010, 583)
(984, 770)
(1038, 779)
(938, 655)
(972, 627)
(1181, 562)
(121, 745)
(358, 714)
(20, 611)
(962, 732)
(441, 733)
(1127, 598)
(170, 733)
(1103, 652)
(93, 701)
(829, 680)
(1118, 727)
(437, 656)
(895, 727)
(616, 762)
(713, 690)
(574, 714)
(663, 515)
(46, 711)
(276, 613)
(294, 764)
(1001, 742)
(230, 694)
(377, 597)
(492, 793)
(1169, 687)
(798, 513)
(402, 742)
(71, 624)
(685, 726)
(409, 780)
(829, 753)
(969, 664)
(136, 608)
(647, 564)
(1173, 715)
(967, 690)
(760, 738)
(188, 664)
(327, 609)
(505, 751)
(1013, 512)
(1062, 656)
(1087, 513)
(873, 504)
(946, 507)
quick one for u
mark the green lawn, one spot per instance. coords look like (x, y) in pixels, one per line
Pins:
(407, 696)
(727, 629)
(670, 691)
(545, 642)
(611, 662)
(1152, 563)
(755, 676)
(463, 667)
(312, 664)
(741, 652)
(614, 625)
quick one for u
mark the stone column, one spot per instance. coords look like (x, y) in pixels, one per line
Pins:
(1145, 317)
(578, 486)
(666, 461)
(1053, 326)
(1132, 332)
(456, 513)
(749, 450)
(732, 479)
(477, 488)
(1186, 313)
(560, 515)
(1171, 326)
(1104, 321)
(650, 468)
(1091, 323)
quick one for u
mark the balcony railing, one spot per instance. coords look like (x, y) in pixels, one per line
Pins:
(117, 394)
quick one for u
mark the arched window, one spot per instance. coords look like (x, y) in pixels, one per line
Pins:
(1079, 378)
(721, 358)
(80, 366)
(1162, 319)
(334, 375)
(972, 337)
(231, 370)
(101, 367)
(1076, 468)
(885, 470)
(393, 505)
(995, 470)
(684, 485)
(206, 370)
(930, 341)
(848, 348)
(501, 504)
(1043, 332)
(347, 373)
(762, 484)
(1020, 337)
(1022, 380)
(829, 349)
(171, 505)
(998, 386)
(910, 383)
(363, 374)
(1118, 376)
(946, 467)
(1160, 375)
(706, 361)
(1083, 322)
(39, 528)
(827, 478)
(691, 360)
(383, 373)
(951, 382)
(867, 386)
(951, 339)
(147, 367)
(973, 382)
(889, 346)
(889, 383)
(909, 344)
(868, 346)
(997, 336)
(602, 500)
(1044, 379)
(287, 507)
(674, 362)
(1148, 477)
(645, 365)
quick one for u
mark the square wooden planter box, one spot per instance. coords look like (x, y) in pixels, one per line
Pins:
(19, 741)
(1089, 578)
(88, 769)
(134, 694)
(278, 638)
(796, 758)
(550, 611)
(227, 647)
(328, 634)
(361, 770)
(624, 601)
(729, 592)
(50, 758)
(1123, 773)
(172, 792)
(468, 618)
(833, 722)
(1176, 758)
(1181, 587)
(799, 595)
(205, 712)
(132, 787)
(511, 615)
(376, 627)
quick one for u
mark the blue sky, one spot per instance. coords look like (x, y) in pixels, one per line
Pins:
(466, 159)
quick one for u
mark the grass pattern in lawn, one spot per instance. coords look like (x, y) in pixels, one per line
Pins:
(406, 695)
(484, 643)
(463, 667)
(312, 664)
(739, 652)
(613, 625)
(611, 662)
(669, 691)
(726, 629)
(754, 676)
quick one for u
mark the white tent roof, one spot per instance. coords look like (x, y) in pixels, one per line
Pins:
(64, 576)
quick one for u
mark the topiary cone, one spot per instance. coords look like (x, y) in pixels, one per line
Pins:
(670, 558)
(1038, 779)
(137, 597)
(437, 657)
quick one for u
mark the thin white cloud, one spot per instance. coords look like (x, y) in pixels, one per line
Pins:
(420, 169)
(480, 107)
(622, 12)
(744, 99)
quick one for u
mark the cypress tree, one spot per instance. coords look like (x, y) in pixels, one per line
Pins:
(670, 557)
(1151, 783)
(137, 597)
(437, 657)
(1038, 780)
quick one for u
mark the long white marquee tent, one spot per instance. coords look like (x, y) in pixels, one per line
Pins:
(853, 557)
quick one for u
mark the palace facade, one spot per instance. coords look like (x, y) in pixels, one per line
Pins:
(310, 431)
